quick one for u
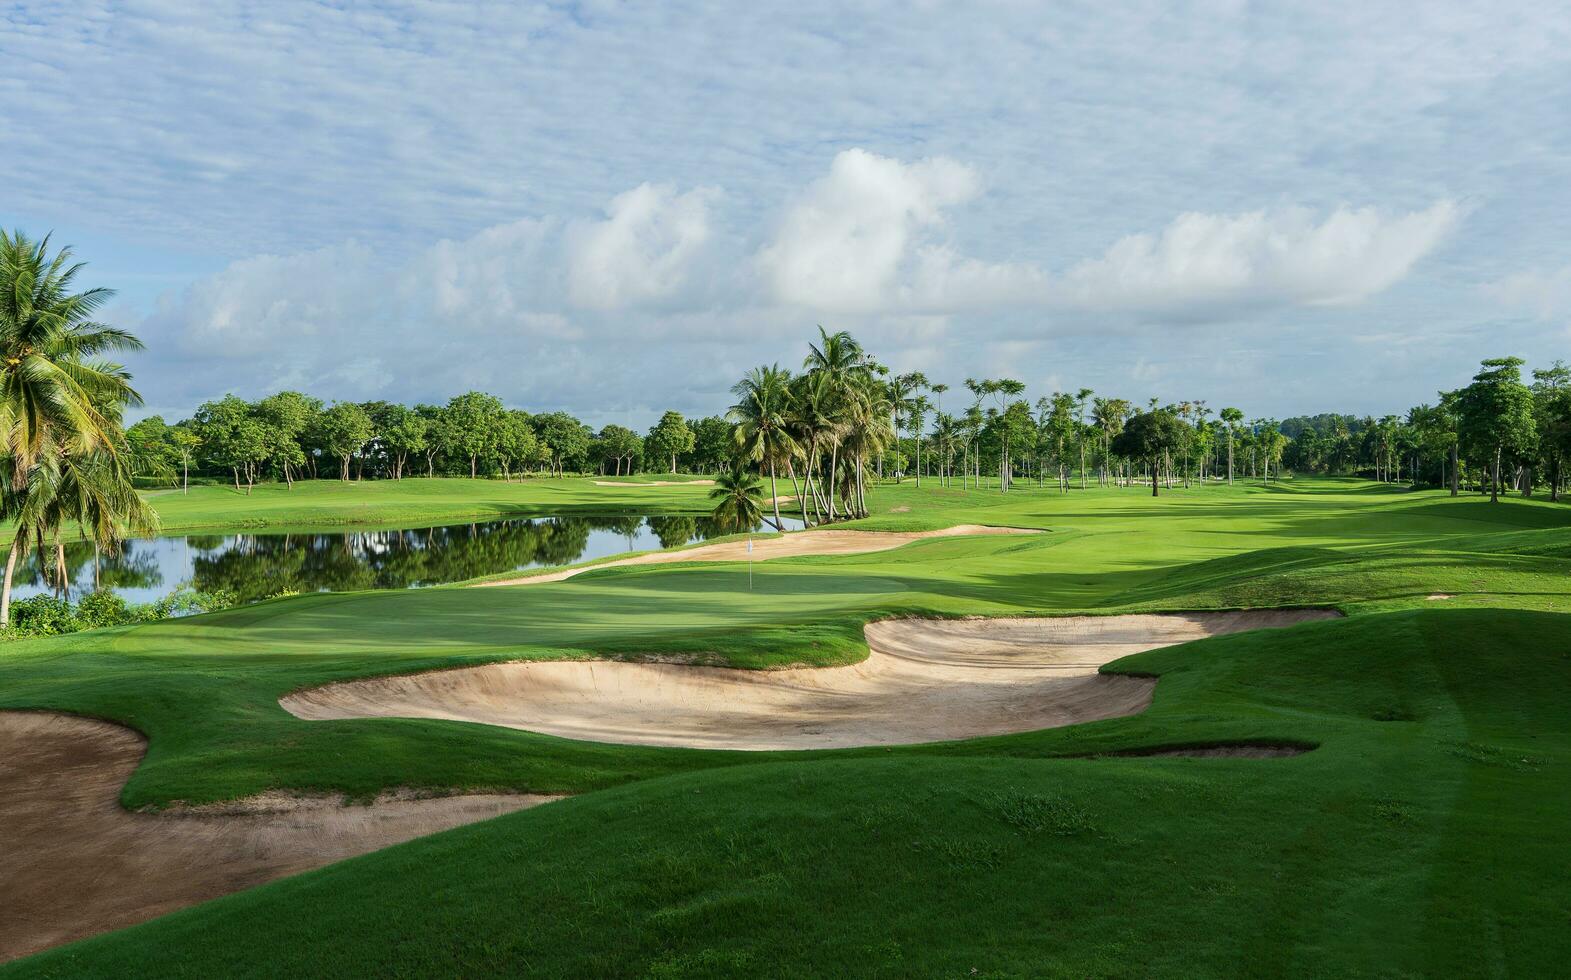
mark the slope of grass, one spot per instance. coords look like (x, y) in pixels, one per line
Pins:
(1424, 835)
(995, 853)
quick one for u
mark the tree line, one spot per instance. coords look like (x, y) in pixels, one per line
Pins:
(840, 422)
(289, 436)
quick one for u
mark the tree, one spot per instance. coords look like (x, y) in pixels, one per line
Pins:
(669, 438)
(61, 406)
(185, 443)
(712, 445)
(284, 418)
(513, 440)
(740, 498)
(345, 429)
(403, 432)
(56, 390)
(1496, 414)
(1231, 417)
(151, 446)
(566, 437)
(762, 426)
(235, 439)
(469, 422)
(1082, 428)
(621, 444)
(1151, 436)
(1552, 412)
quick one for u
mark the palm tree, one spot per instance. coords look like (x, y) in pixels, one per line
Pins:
(1082, 430)
(866, 432)
(761, 418)
(740, 497)
(841, 361)
(919, 409)
(814, 426)
(1005, 388)
(60, 409)
(1231, 417)
(54, 387)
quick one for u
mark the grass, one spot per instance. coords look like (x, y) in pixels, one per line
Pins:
(413, 501)
(1421, 835)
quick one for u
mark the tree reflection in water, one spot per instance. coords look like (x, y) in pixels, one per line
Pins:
(255, 566)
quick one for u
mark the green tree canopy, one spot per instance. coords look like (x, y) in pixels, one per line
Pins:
(1496, 416)
(1150, 436)
(669, 438)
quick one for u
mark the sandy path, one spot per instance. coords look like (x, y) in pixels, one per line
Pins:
(923, 681)
(819, 541)
(73, 863)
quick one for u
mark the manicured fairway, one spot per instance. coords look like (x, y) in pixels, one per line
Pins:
(415, 500)
(1424, 833)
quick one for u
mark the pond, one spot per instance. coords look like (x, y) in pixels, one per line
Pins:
(255, 566)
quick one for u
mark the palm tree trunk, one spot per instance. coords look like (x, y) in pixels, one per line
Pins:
(775, 495)
(10, 574)
(834, 481)
(1494, 482)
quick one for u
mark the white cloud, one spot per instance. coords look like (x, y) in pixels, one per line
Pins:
(1287, 257)
(643, 251)
(529, 306)
(1545, 293)
(870, 236)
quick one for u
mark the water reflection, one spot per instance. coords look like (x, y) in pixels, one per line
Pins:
(254, 566)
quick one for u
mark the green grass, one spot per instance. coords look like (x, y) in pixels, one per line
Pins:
(1422, 835)
(413, 501)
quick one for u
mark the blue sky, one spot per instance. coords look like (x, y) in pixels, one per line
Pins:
(617, 208)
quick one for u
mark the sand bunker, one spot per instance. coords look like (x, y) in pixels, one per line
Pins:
(815, 542)
(74, 863)
(923, 681)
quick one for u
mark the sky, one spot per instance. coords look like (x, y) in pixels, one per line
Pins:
(617, 208)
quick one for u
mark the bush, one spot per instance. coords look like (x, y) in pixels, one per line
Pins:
(44, 615)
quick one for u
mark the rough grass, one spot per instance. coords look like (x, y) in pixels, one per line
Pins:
(1423, 834)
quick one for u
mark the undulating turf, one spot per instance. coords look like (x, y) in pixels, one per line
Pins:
(1423, 834)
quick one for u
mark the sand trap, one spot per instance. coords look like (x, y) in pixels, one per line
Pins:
(819, 541)
(1439, 596)
(923, 681)
(74, 863)
(655, 483)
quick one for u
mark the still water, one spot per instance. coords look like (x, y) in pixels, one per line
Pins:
(255, 566)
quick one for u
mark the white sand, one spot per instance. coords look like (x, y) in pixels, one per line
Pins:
(924, 680)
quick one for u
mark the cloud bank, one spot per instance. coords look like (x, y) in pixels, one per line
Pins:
(871, 239)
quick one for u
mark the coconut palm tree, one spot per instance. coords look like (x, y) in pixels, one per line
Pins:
(54, 386)
(740, 498)
(761, 419)
(842, 364)
(61, 406)
(1231, 417)
(814, 424)
(866, 433)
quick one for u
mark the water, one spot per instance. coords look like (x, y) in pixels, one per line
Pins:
(255, 566)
